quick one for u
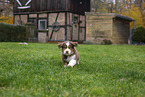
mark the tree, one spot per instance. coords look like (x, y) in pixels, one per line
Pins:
(99, 6)
(6, 19)
(134, 13)
(143, 12)
(131, 8)
(6, 10)
(139, 4)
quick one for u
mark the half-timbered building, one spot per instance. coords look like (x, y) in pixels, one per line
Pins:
(55, 20)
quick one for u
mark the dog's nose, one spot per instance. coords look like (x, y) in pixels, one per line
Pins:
(67, 52)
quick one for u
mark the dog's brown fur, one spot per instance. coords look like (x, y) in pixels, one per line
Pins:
(72, 48)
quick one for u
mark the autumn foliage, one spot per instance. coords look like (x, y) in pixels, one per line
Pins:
(134, 13)
(6, 19)
(132, 8)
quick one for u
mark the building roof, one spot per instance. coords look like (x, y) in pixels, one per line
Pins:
(111, 14)
(124, 17)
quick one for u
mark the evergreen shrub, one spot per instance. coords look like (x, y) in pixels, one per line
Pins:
(139, 35)
(12, 33)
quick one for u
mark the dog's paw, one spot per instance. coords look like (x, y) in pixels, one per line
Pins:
(71, 65)
(65, 65)
(78, 62)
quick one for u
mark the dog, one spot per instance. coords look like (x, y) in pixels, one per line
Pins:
(70, 55)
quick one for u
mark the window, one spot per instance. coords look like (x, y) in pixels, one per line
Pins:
(75, 19)
(42, 24)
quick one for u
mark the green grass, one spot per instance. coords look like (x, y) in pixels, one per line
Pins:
(36, 70)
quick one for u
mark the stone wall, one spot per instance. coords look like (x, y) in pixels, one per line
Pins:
(121, 31)
(99, 27)
(42, 37)
(102, 26)
(20, 19)
(59, 35)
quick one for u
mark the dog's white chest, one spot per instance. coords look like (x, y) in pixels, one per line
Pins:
(71, 58)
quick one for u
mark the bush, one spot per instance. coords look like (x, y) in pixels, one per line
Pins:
(139, 35)
(12, 33)
(106, 42)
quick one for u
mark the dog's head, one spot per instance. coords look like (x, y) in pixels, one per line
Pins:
(68, 47)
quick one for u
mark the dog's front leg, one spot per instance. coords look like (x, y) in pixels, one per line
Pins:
(72, 63)
(64, 63)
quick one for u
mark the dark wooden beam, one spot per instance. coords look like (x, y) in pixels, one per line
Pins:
(65, 26)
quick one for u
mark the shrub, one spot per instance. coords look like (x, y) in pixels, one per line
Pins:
(139, 35)
(106, 42)
(12, 33)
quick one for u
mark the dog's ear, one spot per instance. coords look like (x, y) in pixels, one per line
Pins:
(74, 44)
(60, 45)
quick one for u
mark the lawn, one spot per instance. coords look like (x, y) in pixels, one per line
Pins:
(36, 70)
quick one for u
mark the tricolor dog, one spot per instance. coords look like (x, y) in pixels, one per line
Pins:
(70, 55)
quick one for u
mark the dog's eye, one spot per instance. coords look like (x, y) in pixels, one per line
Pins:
(65, 46)
(69, 46)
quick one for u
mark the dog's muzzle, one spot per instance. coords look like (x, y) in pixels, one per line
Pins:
(67, 52)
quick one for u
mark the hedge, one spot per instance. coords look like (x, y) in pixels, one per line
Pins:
(12, 33)
(139, 35)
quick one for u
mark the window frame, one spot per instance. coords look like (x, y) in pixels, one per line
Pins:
(45, 24)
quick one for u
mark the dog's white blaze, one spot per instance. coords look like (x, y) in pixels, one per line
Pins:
(67, 44)
(67, 49)
(72, 63)
(71, 60)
